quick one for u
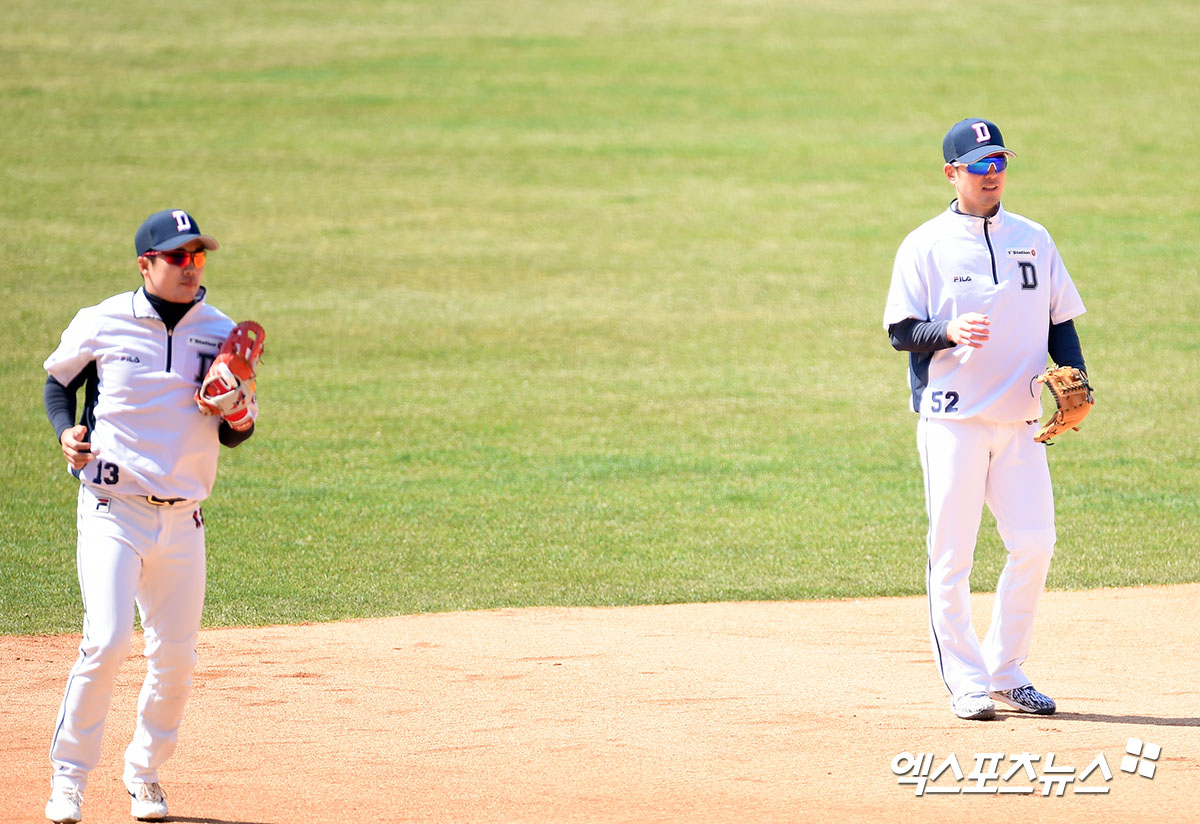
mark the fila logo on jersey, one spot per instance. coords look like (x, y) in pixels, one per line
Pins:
(1022, 252)
(962, 278)
(130, 358)
(103, 504)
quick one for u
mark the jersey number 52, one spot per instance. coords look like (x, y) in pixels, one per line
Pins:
(943, 401)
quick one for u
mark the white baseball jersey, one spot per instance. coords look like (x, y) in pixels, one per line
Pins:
(1006, 267)
(147, 435)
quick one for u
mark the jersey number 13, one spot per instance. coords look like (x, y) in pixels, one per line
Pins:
(106, 473)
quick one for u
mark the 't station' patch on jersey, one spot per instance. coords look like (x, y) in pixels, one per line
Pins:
(208, 343)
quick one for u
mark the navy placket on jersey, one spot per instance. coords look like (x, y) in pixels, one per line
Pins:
(987, 238)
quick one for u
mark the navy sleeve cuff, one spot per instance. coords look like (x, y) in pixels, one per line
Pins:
(1063, 345)
(912, 335)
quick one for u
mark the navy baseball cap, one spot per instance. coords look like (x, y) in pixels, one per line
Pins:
(971, 139)
(169, 229)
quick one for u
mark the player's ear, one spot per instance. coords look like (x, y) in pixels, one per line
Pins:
(144, 264)
(950, 171)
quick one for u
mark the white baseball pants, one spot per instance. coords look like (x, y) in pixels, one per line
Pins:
(132, 552)
(967, 463)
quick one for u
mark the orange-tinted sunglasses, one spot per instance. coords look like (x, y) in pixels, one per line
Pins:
(180, 257)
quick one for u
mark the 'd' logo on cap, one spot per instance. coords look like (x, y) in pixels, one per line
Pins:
(982, 135)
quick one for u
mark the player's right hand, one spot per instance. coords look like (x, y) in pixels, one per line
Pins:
(75, 446)
(969, 329)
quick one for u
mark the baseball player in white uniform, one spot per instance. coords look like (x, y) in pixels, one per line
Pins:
(145, 457)
(979, 298)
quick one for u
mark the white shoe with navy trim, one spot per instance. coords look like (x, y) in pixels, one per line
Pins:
(975, 706)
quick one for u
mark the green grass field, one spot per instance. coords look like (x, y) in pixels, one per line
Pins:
(579, 302)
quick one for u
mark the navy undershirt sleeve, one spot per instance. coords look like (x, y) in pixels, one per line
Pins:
(912, 335)
(60, 403)
(1064, 347)
(230, 437)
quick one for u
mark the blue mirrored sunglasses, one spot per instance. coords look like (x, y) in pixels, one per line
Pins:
(983, 167)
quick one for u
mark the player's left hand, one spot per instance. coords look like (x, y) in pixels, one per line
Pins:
(221, 392)
(244, 412)
(228, 389)
(1073, 400)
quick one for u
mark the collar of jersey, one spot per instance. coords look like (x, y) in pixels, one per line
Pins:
(143, 309)
(994, 220)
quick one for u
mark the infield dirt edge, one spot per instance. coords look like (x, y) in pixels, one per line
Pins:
(784, 711)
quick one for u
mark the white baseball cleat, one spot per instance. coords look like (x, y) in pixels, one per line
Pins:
(149, 802)
(975, 706)
(1026, 699)
(65, 805)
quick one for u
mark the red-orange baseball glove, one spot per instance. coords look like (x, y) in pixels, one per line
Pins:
(228, 388)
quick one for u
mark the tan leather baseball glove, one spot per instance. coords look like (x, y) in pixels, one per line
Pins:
(1072, 395)
(228, 388)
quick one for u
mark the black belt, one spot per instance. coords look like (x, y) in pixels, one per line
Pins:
(157, 501)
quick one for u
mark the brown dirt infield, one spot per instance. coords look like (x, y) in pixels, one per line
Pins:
(746, 712)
